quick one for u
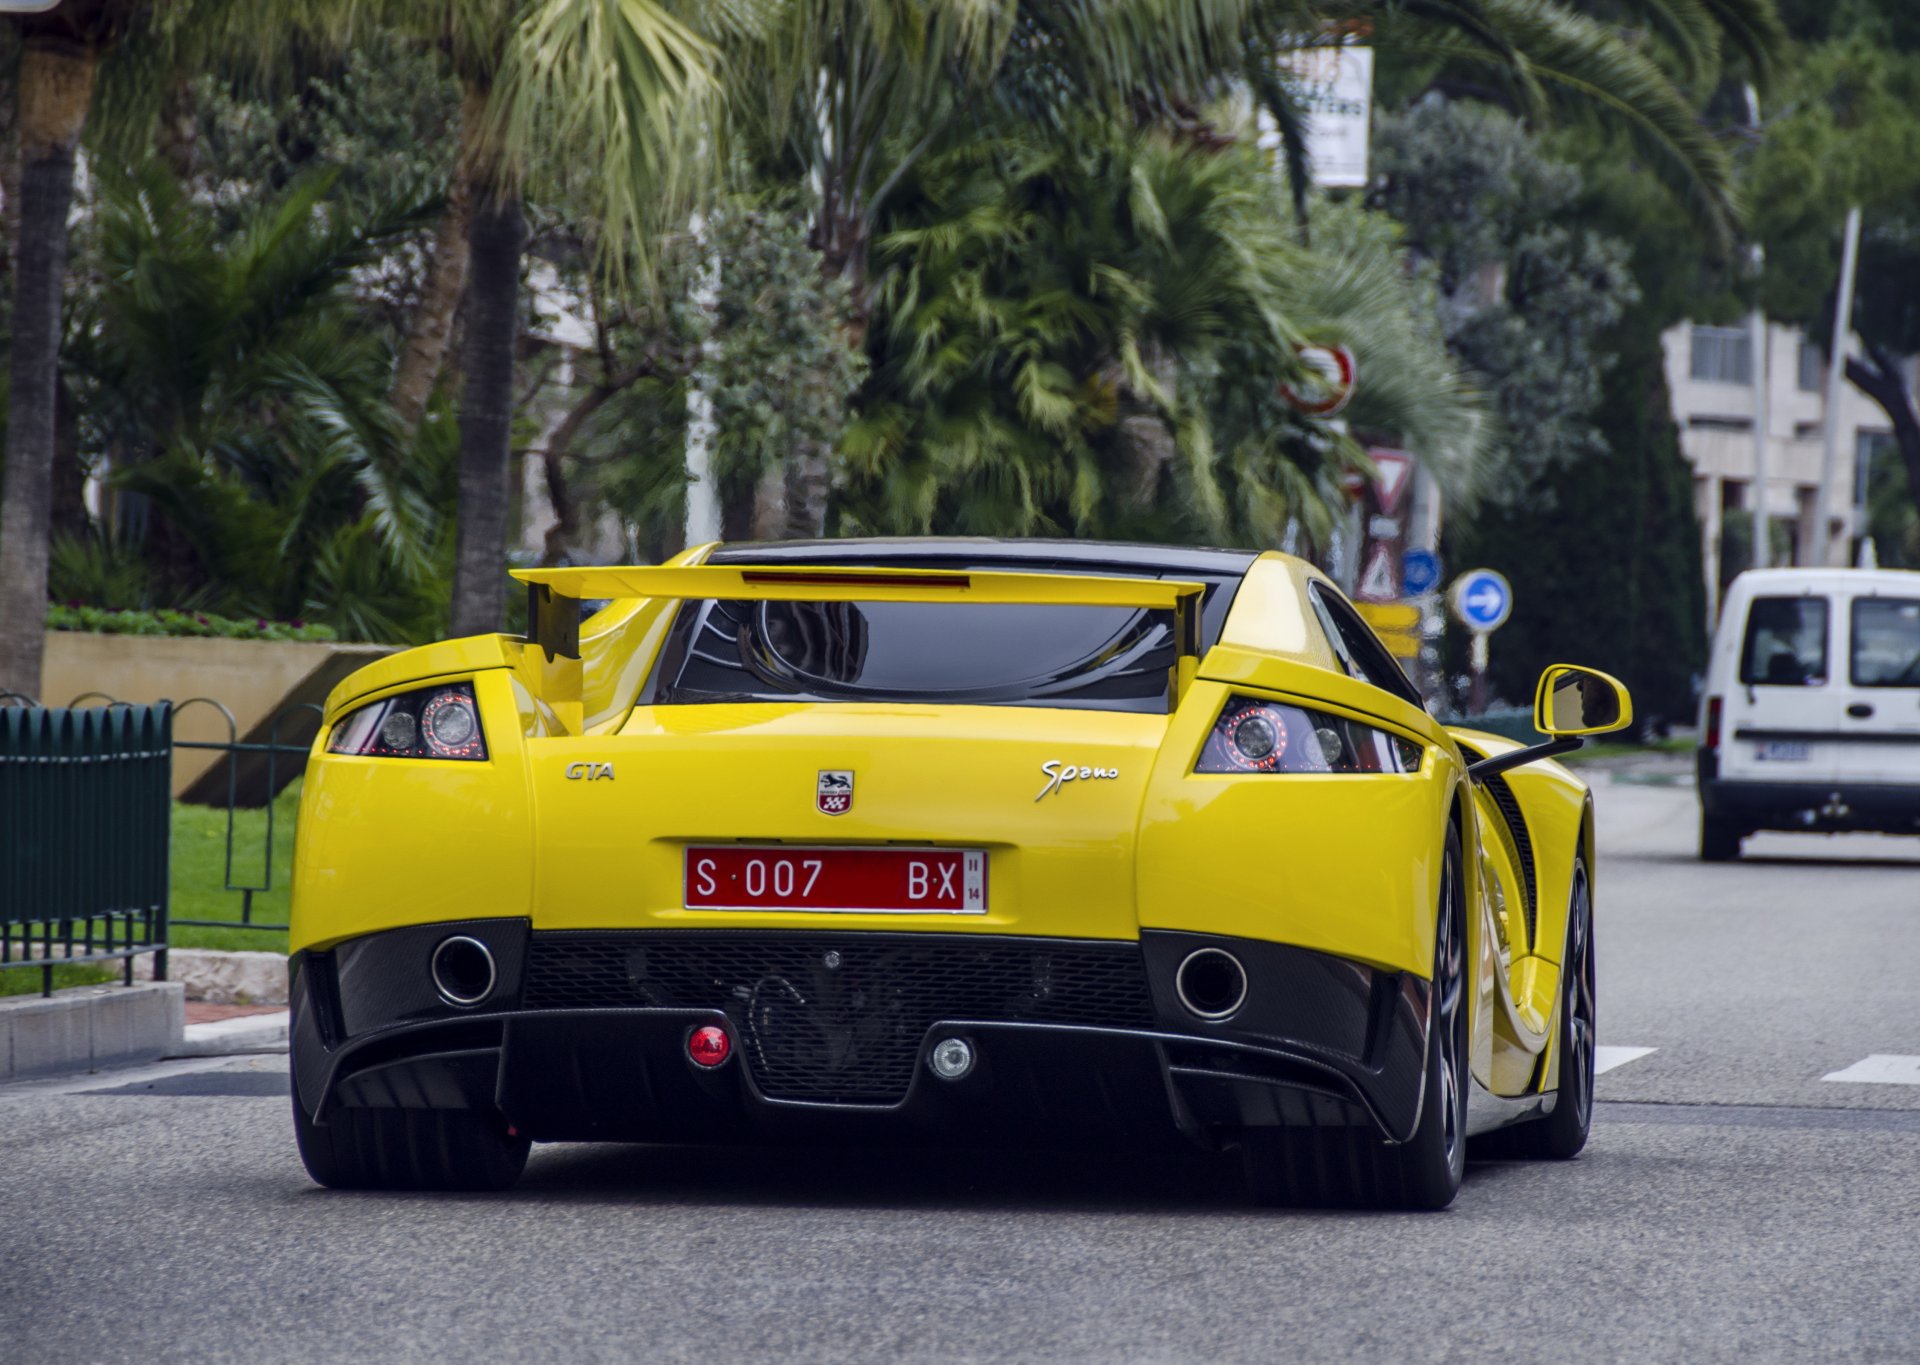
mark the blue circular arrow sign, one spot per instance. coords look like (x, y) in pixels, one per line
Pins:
(1482, 600)
(1419, 571)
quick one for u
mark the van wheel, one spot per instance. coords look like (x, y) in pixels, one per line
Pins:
(1719, 840)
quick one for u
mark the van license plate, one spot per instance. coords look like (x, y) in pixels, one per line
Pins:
(1783, 751)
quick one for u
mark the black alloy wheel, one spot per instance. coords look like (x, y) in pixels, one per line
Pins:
(408, 1149)
(1345, 1167)
(1561, 1134)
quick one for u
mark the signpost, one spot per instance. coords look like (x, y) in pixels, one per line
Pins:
(1481, 600)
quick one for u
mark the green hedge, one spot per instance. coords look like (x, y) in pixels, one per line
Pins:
(110, 621)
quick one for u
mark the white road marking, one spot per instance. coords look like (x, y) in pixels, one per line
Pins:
(1607, 1058)
(1882, 1068)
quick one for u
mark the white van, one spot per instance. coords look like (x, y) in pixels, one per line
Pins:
(1811, 718)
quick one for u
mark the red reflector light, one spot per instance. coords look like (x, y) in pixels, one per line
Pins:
(709, 1045)
(1713, 723)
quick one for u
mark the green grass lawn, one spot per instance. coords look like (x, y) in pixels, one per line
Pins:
(199, 888)
(27, 980)
(1612, 749)
(200, 873)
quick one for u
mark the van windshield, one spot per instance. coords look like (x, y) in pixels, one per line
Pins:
(1786, 644)
(1886, 642)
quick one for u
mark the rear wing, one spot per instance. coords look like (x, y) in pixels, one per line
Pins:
(554, 595)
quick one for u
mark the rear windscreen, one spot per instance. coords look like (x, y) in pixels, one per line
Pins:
(1786, 643)
(1101, 658)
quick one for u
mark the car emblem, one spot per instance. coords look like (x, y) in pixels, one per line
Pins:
(835, 793)
(1059, 774)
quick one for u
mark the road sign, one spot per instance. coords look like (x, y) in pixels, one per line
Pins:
(1377, 580)
(1330, 378)
(1393, 472)
(1419, 571)
(1482, 600)
(1396, 623)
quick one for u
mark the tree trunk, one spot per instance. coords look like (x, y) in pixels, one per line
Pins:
(431, 327)
(495, 241)
(55, 91)
(1879, 378)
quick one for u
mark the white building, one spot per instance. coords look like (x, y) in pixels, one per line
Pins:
(1710, 372)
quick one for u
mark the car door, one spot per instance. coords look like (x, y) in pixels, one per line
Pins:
(1783, 707)
(1880, 690)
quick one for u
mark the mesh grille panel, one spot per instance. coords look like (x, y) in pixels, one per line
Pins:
(851, 1031)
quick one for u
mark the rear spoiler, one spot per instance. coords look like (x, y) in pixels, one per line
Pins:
(554, 595)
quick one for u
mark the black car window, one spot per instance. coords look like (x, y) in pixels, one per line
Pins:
(1786, 642)
(1358, 648)
(1886, 642)
(1100, 658)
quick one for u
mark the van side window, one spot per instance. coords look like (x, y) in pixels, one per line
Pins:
(1886, 642)
(1786, 644)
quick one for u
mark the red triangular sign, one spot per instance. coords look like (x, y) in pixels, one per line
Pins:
(1395, 472)
(1377, 583)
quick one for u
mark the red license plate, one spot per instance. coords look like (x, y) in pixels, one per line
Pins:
(888, 881)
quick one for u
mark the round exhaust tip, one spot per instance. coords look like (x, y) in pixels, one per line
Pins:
(463, 970)
(1211, 983)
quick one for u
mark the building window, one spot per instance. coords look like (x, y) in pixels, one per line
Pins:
(1813, 368)
(1723, 355)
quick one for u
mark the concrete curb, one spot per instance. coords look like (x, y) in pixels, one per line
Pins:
(226, 1037)
(225, 978)
(86, 1028)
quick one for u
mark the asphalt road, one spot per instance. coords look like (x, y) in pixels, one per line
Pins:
(1731, 1204)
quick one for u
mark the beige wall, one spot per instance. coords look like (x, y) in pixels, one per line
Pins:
(254, 679)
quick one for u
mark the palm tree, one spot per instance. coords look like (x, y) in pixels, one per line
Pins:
(63, 53)
(231, 380)
(859, 90)
(60, 54)
(1082, 335)
(614, 93)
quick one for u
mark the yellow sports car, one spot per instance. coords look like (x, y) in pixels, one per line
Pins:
(949, 841)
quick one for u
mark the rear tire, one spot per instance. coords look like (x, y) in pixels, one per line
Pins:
(1318, 1167)
(409, 1149)
(1719, 839)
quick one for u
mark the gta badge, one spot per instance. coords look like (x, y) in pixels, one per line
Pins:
(836, 791)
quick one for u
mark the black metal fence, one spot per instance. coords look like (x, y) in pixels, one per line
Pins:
(85, 820)
(255, 770)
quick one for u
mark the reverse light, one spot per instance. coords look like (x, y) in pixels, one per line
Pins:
(1253, 736)
(951, 1059)
(708, 1046)
(433, 722)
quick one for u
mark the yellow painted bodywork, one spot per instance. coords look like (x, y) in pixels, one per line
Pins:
(1343, 864)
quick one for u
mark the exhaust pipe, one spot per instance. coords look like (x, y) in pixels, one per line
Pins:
(1211, 984)
(463, 971)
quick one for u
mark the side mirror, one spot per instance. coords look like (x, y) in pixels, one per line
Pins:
(1580, 701)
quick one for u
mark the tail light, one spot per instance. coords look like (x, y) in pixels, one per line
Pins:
(434, 722)
(1714, 706)
(1255, 736)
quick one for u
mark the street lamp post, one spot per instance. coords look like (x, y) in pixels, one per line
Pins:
(1836, 372)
